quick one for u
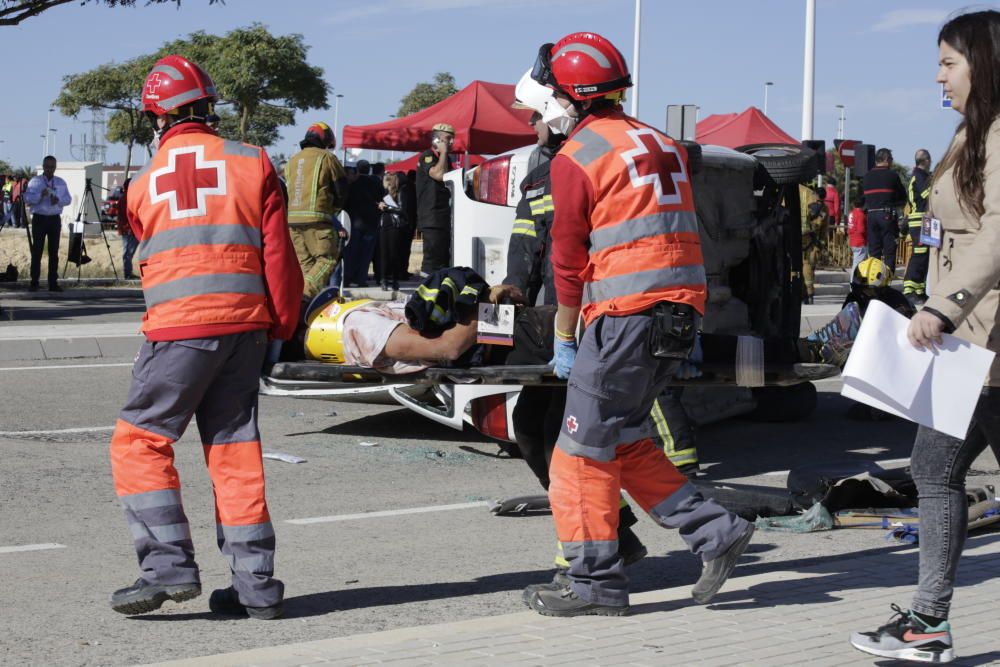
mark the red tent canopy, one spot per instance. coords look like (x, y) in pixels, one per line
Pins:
(741, 129)
(480, 114)
(411, 162)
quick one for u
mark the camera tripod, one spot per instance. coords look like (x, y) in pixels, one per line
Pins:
(77, 244)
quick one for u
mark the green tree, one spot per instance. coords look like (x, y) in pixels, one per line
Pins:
(12, 12)
(265, 78)
(426, 94)
(27, 171)
(117, 88)
(5, 167)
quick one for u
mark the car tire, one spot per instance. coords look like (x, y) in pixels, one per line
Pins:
(784, 404)
(787, 164)
(694, 159)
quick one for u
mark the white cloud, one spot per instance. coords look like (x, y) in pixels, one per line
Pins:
(898, 19)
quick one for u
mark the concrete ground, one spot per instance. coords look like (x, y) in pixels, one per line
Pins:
(400, 559)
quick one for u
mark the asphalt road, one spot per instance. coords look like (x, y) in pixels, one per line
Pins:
(344, 577)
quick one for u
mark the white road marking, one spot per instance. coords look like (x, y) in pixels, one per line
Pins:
(372, 515)
(58, 431)
(775, 473)
(31, 547)
(64, 367)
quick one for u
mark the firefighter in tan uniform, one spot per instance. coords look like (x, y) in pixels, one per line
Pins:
(219, 277)
(317, 190)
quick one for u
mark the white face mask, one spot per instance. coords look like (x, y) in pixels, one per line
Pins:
(558, 117)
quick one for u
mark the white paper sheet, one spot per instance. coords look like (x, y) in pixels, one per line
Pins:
(936, 389)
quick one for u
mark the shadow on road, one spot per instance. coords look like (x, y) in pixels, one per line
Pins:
(400, 423)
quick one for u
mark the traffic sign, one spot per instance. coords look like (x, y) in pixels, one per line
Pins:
(846, 151)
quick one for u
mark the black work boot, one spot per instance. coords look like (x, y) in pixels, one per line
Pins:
(564, 602)
(716, 571)
(143, 597)
(226, 602)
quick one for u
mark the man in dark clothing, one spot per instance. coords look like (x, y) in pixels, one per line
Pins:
(884, 196)
(434, 199)
(918, 192)
(408, 190)
(362, 205)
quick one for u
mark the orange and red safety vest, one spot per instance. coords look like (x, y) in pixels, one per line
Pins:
(199, 202)
(644, 243)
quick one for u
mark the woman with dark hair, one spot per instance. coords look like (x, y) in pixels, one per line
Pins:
(965, 270)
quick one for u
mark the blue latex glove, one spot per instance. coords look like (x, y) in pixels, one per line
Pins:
(565, 355)
(689, 368)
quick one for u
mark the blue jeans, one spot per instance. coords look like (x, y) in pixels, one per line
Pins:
(358, 255)
(129, 245)
(939, 464)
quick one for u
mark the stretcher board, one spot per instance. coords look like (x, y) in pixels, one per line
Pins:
(530, 375)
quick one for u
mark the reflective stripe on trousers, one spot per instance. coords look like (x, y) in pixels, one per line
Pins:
(214, 380)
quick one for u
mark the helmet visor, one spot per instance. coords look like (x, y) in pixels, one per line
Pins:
(542, 71)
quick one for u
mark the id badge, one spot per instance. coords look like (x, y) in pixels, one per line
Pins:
(496, 324)
(930, 231)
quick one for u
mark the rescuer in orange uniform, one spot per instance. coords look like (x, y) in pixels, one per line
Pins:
(626, 253)
(219, 276)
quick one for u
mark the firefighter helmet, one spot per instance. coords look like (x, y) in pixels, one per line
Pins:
(325, 336)
(872, 272)
(584, 65)
(322, 134)
(174, 82)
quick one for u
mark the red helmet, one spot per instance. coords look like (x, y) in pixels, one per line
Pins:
(173, 82)
(321, 133)
(584, 65)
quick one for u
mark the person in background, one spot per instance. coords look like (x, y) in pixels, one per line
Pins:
(884, 196)
(408, 185)
(362, 205)
(813, 236)
(434, 199)
(47, 195)
(965, 272)
(857, 233)
(129, 241)
(393, 231)
(317, 187)
(832, 200)
(918, 191)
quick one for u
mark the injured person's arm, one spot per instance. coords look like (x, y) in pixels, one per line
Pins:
(407, 344)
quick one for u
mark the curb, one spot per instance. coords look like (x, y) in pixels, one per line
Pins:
(81, 347)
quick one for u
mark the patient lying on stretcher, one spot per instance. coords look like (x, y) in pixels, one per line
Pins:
(378, 335)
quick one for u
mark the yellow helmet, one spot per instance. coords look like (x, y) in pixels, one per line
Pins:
(325, 335)
(872, 272)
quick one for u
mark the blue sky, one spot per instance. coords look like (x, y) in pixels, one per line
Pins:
(877, 58)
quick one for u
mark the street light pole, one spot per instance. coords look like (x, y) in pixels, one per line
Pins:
(635, 60)
(840, 121)
(336, 117)
(809, 71)
(51, 147)
(48, 126)
(767, 84)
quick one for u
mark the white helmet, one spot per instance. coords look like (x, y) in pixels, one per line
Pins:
(529, 94)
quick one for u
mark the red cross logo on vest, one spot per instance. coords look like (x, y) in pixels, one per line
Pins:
(654, 162)
(572, 425)
(187, 181)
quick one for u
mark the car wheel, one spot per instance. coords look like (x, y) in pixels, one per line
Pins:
(785, 163)
(784, 404)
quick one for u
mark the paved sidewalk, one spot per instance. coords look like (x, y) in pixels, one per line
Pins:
(771, 616)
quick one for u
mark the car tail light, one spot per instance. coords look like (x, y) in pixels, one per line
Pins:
(489, 416)
(490, 181)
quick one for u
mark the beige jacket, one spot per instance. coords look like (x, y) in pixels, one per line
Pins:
(965, 271)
